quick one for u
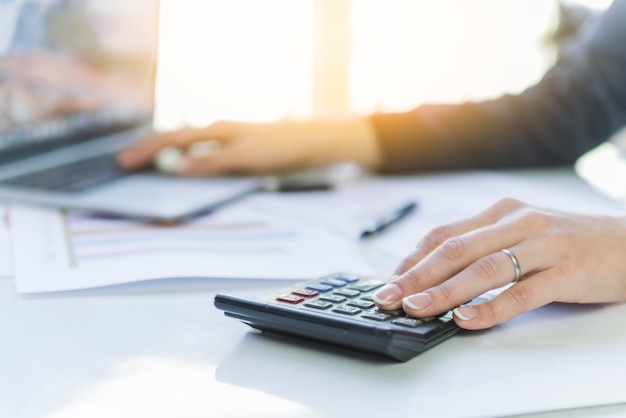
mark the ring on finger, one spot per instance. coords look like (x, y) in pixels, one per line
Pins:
(515, 261)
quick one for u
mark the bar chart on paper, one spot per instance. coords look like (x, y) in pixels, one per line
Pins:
(91, 240)
(56, 251)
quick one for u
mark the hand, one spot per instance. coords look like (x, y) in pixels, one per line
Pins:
(563, 258)
(255, 148)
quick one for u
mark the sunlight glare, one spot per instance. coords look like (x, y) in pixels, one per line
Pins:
(410, 52)
(251, 60)
(236, 59)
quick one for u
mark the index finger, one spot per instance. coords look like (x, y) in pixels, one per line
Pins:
(446, 250)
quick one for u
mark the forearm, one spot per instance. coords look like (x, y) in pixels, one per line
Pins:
(332, 141)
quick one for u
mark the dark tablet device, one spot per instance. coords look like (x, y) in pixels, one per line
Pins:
(338, 309)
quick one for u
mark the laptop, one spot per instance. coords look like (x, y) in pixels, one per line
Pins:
(77, 84)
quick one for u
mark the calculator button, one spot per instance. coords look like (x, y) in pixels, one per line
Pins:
(363, 304)
(348, 278)
(318, 304)
(428, 318)
(350, 293)
(322, 288)
(376, 316)
(333, 298)
(333, 282)
(407, 322)
(430, 329)
(290, 299)
(347, 310)
(447, 324)
(307, 293)
(392, 312)
(368, 286)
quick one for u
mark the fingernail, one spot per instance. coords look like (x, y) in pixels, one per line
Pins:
(466, 313)
(394, 278)
(418, 300)
(387, 295)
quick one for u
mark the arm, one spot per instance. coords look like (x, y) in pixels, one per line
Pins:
(576, 106)
(579, 103)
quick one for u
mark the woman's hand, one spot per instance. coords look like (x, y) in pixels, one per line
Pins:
(256, 148)
(562, 257)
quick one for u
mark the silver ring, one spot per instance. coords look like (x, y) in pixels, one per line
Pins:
(516, 266)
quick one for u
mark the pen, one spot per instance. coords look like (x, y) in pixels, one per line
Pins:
(280, 185)
(383, 223)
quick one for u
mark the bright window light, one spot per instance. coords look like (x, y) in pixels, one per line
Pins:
(260, 60)
(233, 59)
(409, 52)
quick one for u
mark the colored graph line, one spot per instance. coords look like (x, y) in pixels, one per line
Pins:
(68, 241)
(111, 241)
(186, 250)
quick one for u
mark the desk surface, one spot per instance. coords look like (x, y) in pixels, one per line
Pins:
(160, 349)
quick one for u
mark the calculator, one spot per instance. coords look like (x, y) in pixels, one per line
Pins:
(338, 309)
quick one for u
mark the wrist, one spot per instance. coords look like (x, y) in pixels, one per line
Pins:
(346, 140)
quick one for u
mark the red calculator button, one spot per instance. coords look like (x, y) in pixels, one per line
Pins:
(290, 299)
(307, 293)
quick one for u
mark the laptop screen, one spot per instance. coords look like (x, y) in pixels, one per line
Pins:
(70, 69)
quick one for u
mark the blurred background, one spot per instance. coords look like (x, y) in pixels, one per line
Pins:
(274, 59)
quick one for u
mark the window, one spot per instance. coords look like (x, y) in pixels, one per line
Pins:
(270, 59)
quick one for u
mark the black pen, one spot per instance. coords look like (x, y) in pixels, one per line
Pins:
(383, 223)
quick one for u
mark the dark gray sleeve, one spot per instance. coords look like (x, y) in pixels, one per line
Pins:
(577, 105)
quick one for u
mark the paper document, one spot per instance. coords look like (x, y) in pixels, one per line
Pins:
(348, 210)
(267, 236)
(441, 199)
(56, 251)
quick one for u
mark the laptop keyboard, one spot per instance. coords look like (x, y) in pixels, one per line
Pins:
(71, 177)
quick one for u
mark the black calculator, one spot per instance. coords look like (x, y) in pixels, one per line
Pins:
(338, 309)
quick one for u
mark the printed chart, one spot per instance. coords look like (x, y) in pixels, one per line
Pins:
(56, 251)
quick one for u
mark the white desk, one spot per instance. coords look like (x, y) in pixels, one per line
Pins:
(161, 349)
